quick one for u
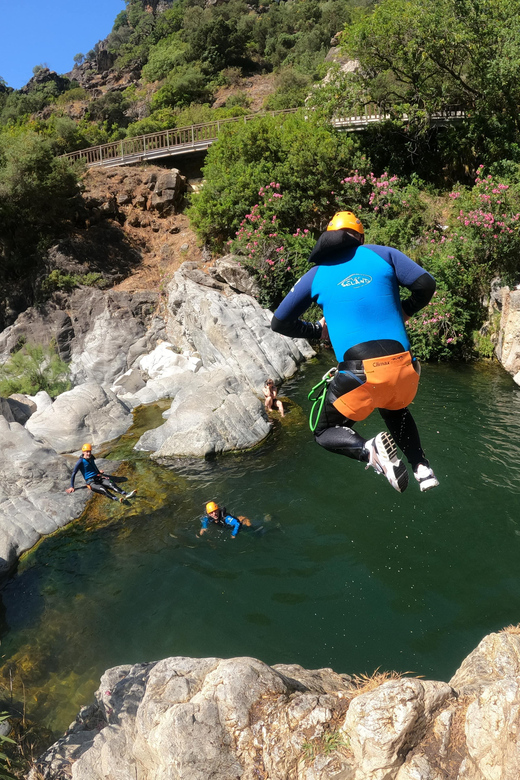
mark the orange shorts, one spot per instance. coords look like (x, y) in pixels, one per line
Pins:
(391, 383)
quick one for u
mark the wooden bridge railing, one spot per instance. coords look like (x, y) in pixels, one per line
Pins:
(182, 140)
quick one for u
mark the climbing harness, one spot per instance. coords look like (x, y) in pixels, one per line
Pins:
(317, 396)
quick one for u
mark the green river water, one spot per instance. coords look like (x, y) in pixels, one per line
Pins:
(339, 570)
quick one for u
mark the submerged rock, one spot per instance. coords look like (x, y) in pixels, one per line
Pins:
(191, 719)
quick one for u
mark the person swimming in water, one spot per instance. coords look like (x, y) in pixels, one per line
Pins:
(96, 480)
(220, 516)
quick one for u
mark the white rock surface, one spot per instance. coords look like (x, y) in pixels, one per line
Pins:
(239, 719)
(33, 502)
(218, 410)
(85, 413)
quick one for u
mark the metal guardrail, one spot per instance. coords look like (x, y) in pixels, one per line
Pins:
(183, 140)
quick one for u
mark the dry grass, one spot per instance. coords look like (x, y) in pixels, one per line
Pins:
(369, 682)
(511, 629)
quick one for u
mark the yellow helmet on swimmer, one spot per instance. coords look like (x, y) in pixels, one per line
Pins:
(346, 220)
(211, 507)
(86, 448)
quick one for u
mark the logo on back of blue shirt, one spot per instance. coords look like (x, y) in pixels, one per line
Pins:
(355, 280)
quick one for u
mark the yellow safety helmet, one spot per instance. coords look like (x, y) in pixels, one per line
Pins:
(346, 219)
(211, 507)
(86, 448)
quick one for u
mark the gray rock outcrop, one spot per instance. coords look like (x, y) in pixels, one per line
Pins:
(229, 329)
(213, 412)
(508, 346)
(33, 502)
(85, 413)
(100, 334)
(191, 719)
(219, 408)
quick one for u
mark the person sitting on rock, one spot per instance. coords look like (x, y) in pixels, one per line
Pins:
(96, 480)
(271, 397)
(220, 516)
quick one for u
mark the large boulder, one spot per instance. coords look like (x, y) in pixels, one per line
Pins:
(199, 718)
(33, 502)
(85, 413)
(508, 346)
(107, 329)
(42, 326)
(191, 719)
(220, 409)
(230, 270)
(213, 412)
(100, 335)
(229, 329)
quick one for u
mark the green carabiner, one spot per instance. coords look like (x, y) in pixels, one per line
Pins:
(319, 400)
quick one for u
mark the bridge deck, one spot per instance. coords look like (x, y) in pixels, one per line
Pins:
(194, 138)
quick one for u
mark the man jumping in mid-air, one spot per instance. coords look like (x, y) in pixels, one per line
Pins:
(96, 480)
(357, 288)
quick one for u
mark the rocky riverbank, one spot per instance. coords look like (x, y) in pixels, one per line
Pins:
(209, 350)
(192, 719)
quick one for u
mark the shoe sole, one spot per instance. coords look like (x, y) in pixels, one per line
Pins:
(395, 472)
(424, 486)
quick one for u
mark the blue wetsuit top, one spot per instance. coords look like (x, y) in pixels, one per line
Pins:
(226, 519)
(357, 288)
(87, 467)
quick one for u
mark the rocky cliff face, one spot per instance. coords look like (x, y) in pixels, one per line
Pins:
(194, 719)
(507, 303)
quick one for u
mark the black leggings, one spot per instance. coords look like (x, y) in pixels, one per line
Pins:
(100, 484)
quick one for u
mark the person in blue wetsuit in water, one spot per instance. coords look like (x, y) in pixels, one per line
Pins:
(357, 287)
(96, 480)
(218, 515)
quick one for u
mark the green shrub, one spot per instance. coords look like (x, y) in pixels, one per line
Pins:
(71, 95)
(36, 199)
(57, 280)
(163, 58)
(183, 86)
(277, 257)
(34, 368)
(304, 157)
(292, 88)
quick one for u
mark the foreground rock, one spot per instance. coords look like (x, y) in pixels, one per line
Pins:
(192, 719)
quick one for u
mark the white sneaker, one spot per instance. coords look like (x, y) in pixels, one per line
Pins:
(382, 456)
(425, 477)
(131, 495)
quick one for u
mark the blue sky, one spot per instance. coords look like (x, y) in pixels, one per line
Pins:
(50, 32)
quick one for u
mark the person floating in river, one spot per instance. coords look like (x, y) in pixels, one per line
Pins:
(96, 480)
(220, 516)
(271, 397)
(357, 288)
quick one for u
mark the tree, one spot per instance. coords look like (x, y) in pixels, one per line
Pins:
(36, 199)
(34, 368)
(304, 157)
(418, 57)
